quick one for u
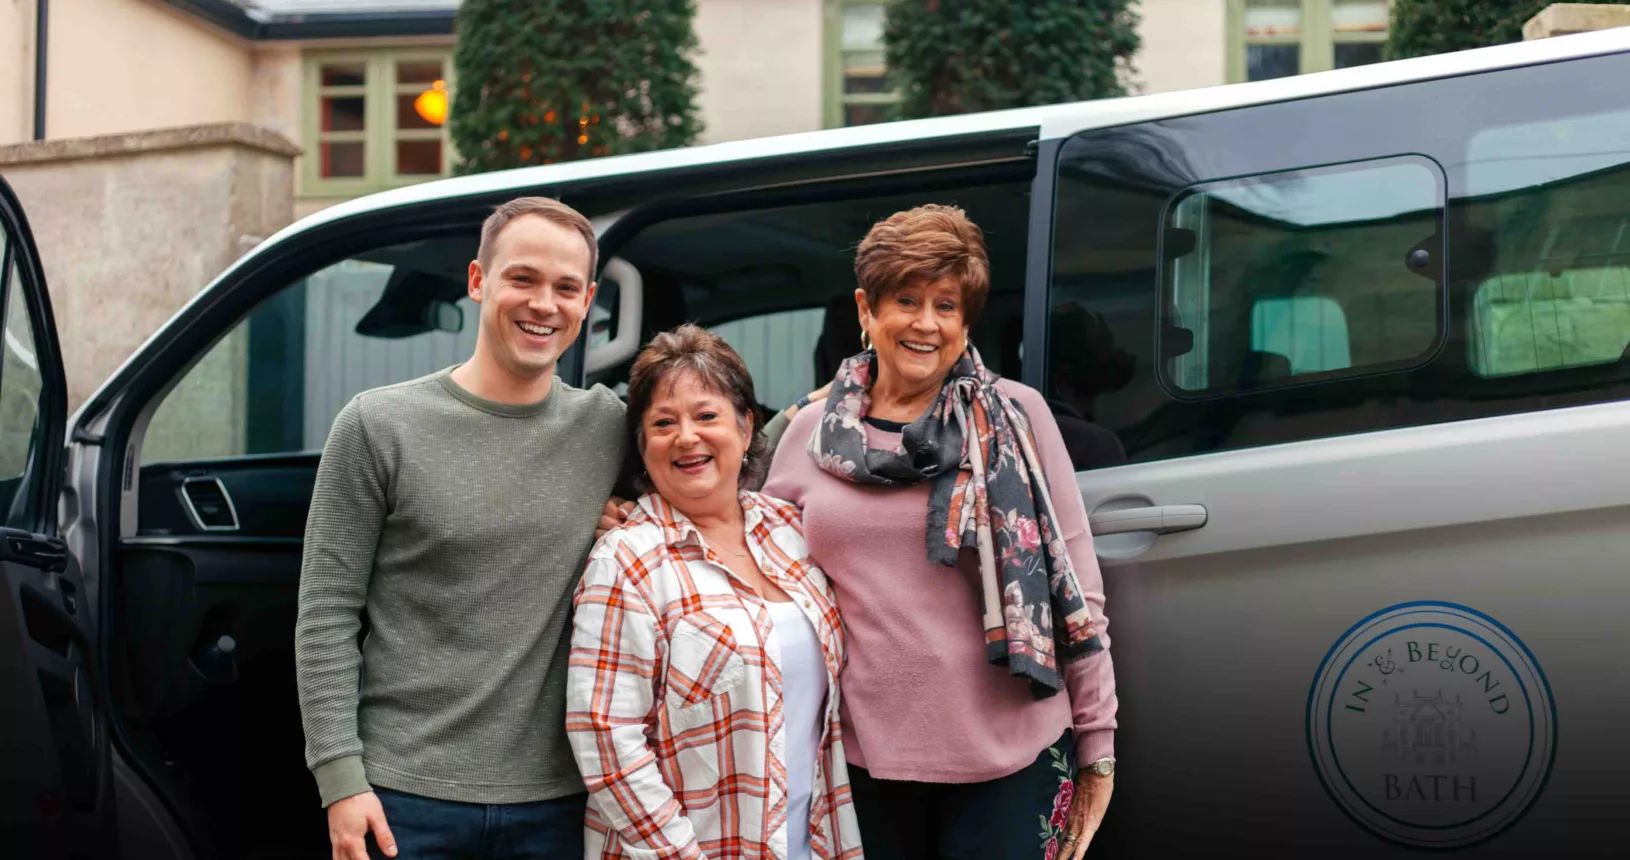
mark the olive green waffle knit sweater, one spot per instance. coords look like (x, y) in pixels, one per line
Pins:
(461, 526)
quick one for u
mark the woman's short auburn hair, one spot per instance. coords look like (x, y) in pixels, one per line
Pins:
(691, 349)
(925, 244)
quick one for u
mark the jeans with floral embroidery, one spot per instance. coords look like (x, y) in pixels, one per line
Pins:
(1016, 817)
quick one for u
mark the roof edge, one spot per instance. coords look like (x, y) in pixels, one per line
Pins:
(227, 16)
(336, 25)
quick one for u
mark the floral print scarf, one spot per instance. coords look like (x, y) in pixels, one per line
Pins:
(989, 494)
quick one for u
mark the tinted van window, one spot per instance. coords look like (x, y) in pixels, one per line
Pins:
(1320, 268)
(275, 381)
(778, 283)
(1558, 295)
(1300, 274)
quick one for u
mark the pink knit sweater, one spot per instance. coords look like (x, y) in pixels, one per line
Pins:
(920, 700)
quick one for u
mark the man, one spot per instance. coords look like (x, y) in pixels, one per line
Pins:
(458, 510)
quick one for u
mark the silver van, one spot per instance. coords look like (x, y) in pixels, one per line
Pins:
(1342, 357)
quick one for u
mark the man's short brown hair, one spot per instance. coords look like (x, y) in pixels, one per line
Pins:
(691, 349)
(925, 244)
(546, 208)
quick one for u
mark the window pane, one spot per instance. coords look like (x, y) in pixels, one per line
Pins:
(346, 113)
(344, 75)
(21, 387)
(422, 72)
(1298, 273)
(864, 84)
(1266, 62)
(776, 349)
(1273, 18)
(408, 116)
(1359, 16)
(863, 72)
(865, 114)
(1558, 295)
(275, 382)
(341, 159)
(863, 27)
(418, 157)
(1357, 54)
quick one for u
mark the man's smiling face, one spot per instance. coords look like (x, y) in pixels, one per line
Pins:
(535, 293)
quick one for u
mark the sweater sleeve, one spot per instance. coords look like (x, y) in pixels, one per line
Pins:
(1090, 679)
(610, 694)
(348, 508)
(791, 466)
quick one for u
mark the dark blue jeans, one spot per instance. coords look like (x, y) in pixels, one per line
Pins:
(430, 829)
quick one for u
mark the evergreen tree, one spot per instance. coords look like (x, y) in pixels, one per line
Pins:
(959, 56)
(1423, 27)
(542, 81)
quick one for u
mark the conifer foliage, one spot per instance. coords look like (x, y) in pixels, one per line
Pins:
(1424, 27)
(959, 56)
(544, 81)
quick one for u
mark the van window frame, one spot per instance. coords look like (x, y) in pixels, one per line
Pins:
(1158, 156)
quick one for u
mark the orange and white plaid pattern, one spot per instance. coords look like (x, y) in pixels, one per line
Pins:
(673, 695)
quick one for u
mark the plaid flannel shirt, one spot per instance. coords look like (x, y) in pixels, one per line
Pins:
(673, 694)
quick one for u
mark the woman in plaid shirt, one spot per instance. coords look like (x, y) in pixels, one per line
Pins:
(702, 694)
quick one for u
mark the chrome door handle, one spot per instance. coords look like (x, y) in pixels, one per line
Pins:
(1160, 519)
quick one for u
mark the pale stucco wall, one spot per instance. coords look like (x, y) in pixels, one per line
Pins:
(1184, 45)
(130, 227)
(16, 70)
(129, 65)
(761, 67)
(274, 89)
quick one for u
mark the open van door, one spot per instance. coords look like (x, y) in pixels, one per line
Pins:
(55, 787)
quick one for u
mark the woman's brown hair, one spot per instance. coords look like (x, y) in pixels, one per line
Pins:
(926, 243)
(697, 351)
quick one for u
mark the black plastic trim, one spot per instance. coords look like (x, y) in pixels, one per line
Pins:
(1039, 264)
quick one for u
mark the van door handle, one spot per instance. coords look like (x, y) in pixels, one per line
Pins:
(1160, 519)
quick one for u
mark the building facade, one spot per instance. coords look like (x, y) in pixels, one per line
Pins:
(343, 79)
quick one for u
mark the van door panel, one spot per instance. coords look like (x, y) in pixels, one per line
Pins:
(56, 797)
(1400, 626)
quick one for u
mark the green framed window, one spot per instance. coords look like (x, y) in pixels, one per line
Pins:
(375, 119)
(1278, 38)
(856, 86)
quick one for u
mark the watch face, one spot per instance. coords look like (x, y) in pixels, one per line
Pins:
(1103, 767)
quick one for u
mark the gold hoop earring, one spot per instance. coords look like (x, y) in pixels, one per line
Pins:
(865, 340)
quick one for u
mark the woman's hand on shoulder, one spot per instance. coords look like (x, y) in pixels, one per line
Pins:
(809, 399)
(614, 514)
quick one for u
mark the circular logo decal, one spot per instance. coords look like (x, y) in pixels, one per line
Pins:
(1432, 725)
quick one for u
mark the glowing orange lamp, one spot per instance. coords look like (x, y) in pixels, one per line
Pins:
(431, 105)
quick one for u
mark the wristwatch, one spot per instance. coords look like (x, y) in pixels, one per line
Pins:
(1102, 767)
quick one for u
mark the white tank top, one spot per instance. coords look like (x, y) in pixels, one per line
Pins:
(803, 708)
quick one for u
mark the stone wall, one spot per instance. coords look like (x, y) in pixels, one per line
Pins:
(131, 226)
(1563, 19)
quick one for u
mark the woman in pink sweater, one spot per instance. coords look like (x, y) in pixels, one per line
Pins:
(940, 500)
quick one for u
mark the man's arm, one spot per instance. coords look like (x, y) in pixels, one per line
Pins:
(348, 508)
